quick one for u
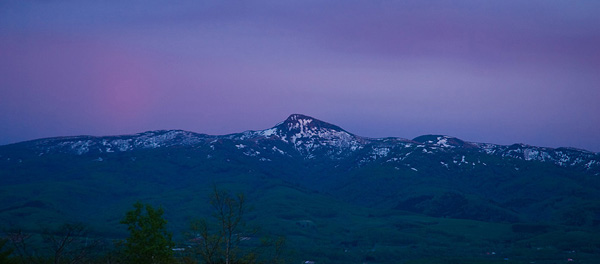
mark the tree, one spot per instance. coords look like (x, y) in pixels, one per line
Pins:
(20, 245)
(148, 241)
(222, 244)
(276, 247)
(69, 243)
(5, 253)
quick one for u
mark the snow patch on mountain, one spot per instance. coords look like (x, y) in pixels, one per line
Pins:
(380, 152)
(240, 146)
(277, 150)
(444, 164)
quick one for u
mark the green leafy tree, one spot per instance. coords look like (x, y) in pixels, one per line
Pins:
(148, 241)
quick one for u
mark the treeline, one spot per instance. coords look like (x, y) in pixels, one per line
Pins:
(220, 239)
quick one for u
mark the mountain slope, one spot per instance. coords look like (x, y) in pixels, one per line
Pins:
(324, 157)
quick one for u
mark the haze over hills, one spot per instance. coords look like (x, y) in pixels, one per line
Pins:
(314, 181)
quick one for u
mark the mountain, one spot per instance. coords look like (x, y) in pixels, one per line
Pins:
(310, 138)
(313, 180)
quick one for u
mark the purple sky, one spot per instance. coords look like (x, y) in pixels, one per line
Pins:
(486, 71)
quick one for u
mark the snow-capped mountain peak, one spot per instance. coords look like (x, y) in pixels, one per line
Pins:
(300, 126)
(309, 135)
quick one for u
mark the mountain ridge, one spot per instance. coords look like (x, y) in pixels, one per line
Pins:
(291, 120)
(312, 138)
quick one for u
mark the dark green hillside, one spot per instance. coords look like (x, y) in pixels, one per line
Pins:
(502, 190)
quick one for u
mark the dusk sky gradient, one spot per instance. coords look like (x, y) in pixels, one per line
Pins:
(499, 72)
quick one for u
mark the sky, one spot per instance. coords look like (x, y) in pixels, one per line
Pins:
(500, 72)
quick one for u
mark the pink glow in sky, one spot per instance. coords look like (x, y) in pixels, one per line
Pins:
(486, 71)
